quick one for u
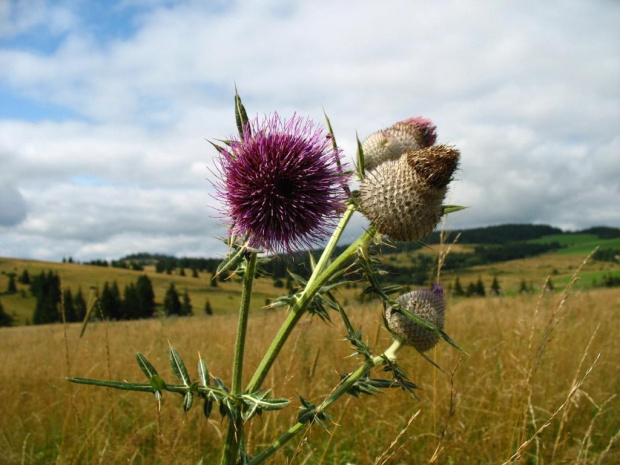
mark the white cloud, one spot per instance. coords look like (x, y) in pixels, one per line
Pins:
(527, 91)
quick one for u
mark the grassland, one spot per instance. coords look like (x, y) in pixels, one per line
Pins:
(526, 353)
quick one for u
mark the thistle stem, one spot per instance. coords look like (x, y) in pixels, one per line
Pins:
(368, 365)
(235, 428)
(321, 274)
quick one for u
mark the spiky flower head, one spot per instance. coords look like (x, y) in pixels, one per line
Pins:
(403, 198)
(281, 183)
(405, 136)
(426, 304)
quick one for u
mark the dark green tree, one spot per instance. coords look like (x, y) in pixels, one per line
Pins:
(194, 273)
(471, 290)
(46, 289)
(495, 288)
(25, 277)
(131, 303)
(5, 318)
(146, 295)
(213, 280)
(523, 289)
(80, 305)
(11, 287)
(186, 306)
(208, 309)
(181, 271)
(480, 287)
(172, 304)
(110, 301)
(458, 288)
(69, 306)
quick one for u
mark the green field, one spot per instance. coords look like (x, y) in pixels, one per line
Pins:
(578, 243)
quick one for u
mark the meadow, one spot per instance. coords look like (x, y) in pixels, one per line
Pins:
(540, 380)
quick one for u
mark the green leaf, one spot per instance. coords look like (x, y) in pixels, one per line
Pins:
(188, 400)
(361, 172)
(241, 117)
(203, 373)
(231, 261)
(124, 386)
(178, 367)
(452, 208)
(145, 366)
(157, 382)
(207, 408)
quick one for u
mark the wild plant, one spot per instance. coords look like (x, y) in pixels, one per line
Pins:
(284, 187)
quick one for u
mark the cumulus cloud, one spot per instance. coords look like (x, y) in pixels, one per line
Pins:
(528, 91)
(13, 208)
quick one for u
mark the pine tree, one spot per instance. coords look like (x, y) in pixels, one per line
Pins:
(110, 301)
(495, 289)
(194, 273)
(80, 305)
(69, 307)
(11, 287)
(480, 287)
(172, 304)
(25, 277)
(146, 296)
(208, 309)
(46, 289)
(181, 271)
(458, 289)
(471, 290)
(186, 306)
(5, 318)
(131, 303)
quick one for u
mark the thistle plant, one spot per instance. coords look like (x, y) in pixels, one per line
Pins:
(284, 187)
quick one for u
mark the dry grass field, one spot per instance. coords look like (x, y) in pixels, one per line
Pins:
(526, 354)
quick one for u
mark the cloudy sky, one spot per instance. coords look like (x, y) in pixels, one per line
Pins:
(105, 107)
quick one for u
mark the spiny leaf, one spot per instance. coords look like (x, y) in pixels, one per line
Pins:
(207, 407)
(452, 208)
(145, 366)
(241, 117)
(188, 400)
(140, 387)
(361, 170)
(178, 367)
(203, 373)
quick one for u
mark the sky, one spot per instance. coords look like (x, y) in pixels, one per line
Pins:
(106, 108)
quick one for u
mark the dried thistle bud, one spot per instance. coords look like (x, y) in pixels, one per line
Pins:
(426, 304)
(405, 136)
(403, 198)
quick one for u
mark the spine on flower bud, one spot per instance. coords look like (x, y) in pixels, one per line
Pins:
(403, 198)
(405, 136)
(426, 304)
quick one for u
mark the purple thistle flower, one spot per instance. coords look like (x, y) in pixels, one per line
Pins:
(281, 183)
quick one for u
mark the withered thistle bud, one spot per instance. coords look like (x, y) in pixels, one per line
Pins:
(405, 136)
(403, 198)
(425, 304)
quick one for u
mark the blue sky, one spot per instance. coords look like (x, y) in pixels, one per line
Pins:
(105, 108)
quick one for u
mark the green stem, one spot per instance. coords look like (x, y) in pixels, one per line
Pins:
(318, 279)
(390, 354)
(235, 428)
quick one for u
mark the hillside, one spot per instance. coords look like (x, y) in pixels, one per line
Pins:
(516, 255)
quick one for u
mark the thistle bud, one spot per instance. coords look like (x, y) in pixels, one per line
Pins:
(426, 304)
(403, 198)
(405, 136)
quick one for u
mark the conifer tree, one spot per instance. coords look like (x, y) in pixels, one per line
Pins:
(458, 288)
(471, 290)
(80, 305)
(69, 306)
(495, 288)
(110, 301)
(172, 304)
(146, 295)
(480, 287)
(208, 309)
(194, 273)
(5, 318)
(25, 277)
(186, 306)
(131, 303)
(181, 271)
(46, 289)
(11, 287)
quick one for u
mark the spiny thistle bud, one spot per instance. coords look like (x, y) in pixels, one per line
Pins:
(403, 198)
(405, 136)
(426, 304)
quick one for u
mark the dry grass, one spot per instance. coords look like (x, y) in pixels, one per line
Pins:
(518, 374)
